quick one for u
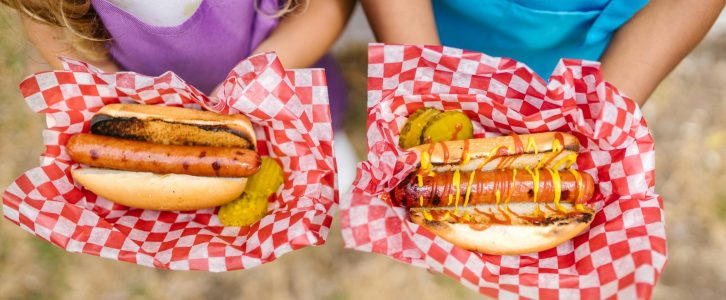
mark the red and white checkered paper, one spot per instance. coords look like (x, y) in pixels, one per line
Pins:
(289, 110)
(620, 255)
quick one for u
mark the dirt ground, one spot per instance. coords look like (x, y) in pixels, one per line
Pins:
(685, 115)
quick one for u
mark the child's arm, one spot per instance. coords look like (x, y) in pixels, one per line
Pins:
(402, 21)
(651, 44)
(51, 42)
(303, 37)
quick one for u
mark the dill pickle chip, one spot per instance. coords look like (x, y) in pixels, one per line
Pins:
(244, 211)
(252, 205)
(447, 126)
(411, 132)
(267, 179)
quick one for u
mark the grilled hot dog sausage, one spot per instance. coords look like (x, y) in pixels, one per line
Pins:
(513, 185)
(113, 153)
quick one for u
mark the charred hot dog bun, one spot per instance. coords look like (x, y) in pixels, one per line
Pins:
(159, 191)
(512, 194)
(174, 126)
(165, 158)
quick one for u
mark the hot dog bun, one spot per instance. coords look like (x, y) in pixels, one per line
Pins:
(159, 191)
(174, 126)
(509, 239)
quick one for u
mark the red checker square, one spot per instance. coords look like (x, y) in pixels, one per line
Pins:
(53, 172)
(598, 242)
(202, 238)
(606, 273)
(48, 190)
(380, 245)
(319, 78)
(619, 249)
(443, 78)
(59, 239)
(52, 96)
(632, 165)
(92, 248)
(614, 224)
(89, 90)
(216, 249)
(144, 225)
(279, 238)
(548, 293)
(180, 253)
(115, 240)
(198, 264)
(491, 292)
(29, 87)
(233, 262)
(643, 290)
(642, 257)
(590, 293)
(652, 215)
(304, 94)
(566, 261)
(390, 69)
(470, 276)
(375, 83)
(65, 77)
(510, 287)
(450, 62)
(485, 69)
(626, 281)
(374, 54)
(569, 281)
(438, 253)
(361, 234)
(156, 237)
(283, 91)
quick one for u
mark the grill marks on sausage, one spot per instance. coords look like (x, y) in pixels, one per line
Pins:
(112, 153)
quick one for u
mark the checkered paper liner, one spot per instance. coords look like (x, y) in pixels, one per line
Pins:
(620, 255)
(289, 110)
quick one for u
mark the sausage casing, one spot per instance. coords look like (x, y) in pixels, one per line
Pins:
(120, 154)
(512, 185)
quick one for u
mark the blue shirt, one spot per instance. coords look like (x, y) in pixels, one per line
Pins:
(538, 33)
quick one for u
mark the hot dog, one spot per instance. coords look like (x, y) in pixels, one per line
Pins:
(510, 185)
(112, 153)
(511, 194)
(164, 158)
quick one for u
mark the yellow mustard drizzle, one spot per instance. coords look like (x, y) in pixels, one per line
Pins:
(489, 157)
(557, 189)
(531, 144)
(509, 195)
(498, 196)
(420, 184)
(468, 188)
(568, 160)
(556, 149)
(457, 183)
(427, 215)
(425, 160)
(535, 187)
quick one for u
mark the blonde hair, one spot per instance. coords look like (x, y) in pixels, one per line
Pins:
(83, 27)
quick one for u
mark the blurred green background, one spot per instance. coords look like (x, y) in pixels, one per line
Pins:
(686, 115)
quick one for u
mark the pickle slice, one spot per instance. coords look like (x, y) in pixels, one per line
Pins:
(252, 206)
(411, 132)
(448, 126)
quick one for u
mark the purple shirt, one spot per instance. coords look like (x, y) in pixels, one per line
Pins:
(204, 48)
